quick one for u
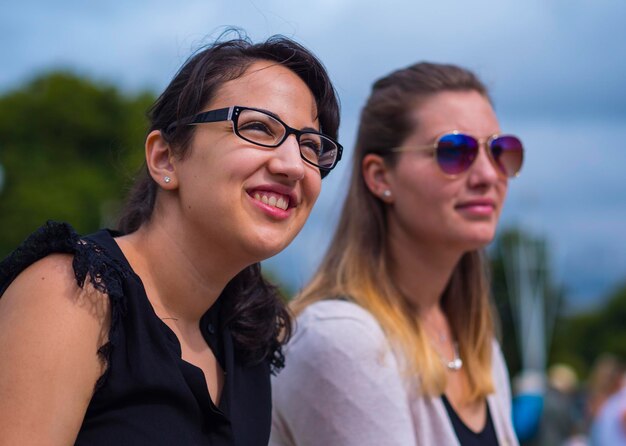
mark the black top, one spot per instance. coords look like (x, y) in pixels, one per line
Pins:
(466, 436)
(148, 394)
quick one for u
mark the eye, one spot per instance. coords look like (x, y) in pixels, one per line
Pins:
(496, 151)
(310, 147)
(255, 127)
(327, 158)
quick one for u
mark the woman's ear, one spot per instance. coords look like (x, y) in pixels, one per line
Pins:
(377, 175)
(159, 161)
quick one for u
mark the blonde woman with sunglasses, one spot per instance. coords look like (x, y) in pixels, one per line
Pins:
(395, 341)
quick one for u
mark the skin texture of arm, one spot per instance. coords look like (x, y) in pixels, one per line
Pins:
(50, 331)
(341, 384)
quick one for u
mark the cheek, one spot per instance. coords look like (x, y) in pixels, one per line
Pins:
(500, 196)
(311, 187)
(425, 195)
(420, 179)
(503, 187)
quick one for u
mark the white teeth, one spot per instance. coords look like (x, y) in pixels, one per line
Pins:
(281, 203)
(278, 202)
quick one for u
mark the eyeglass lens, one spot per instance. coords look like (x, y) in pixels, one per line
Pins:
(263, 129)
(456, 152)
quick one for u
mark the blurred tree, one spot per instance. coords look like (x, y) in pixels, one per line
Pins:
(574, 339)
(285, 292)
(69, 147)
(581, 338)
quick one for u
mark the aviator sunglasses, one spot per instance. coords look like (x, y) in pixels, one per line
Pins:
(455, 152)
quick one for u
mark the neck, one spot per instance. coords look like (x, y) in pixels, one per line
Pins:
(420, 271)
(182, 278)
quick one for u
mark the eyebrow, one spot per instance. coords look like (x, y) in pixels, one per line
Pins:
(271, 113)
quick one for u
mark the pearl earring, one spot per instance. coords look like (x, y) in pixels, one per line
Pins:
(386, 193)
(167, 179)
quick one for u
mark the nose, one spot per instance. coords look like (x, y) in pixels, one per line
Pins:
(286, 160)
(483, 172)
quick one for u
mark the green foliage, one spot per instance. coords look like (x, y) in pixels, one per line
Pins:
(285, 292)
(577, 339)
(69, 147)
(581, 338)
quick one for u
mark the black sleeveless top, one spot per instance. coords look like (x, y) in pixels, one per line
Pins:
(148, 395)
(467, 437)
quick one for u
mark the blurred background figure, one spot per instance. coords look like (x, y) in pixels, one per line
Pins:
(561, 416)
(528, 389)
(546, 408)
(554, 409)
(606, 402)
(605, 379)
(609, 426)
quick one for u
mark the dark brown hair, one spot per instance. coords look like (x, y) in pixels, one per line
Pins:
(256, 316)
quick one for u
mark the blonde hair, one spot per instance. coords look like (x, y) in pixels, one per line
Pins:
(357, 264)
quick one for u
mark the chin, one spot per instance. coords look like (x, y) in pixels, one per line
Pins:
(476, 240)
(265, 247)
(480, 242)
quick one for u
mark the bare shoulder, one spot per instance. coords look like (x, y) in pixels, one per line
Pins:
(50, 333)
(48, 289)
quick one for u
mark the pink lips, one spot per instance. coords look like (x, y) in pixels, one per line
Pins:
(478, 208)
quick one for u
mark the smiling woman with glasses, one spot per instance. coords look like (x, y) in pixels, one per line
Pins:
(164, 331)
(394, 341)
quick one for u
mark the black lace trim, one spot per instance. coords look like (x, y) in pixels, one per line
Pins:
(90, 261)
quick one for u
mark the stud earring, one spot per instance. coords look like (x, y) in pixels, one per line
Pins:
(386, 193)
(167, 179)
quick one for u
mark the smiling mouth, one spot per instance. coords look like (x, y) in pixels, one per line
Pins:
(272, 199)
(476, 206)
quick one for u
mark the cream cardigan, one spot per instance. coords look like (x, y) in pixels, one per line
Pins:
(341, 386)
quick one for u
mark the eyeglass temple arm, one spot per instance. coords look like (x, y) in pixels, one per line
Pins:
(413, 148)
(222, 114)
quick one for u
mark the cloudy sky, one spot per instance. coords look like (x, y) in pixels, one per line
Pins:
(556, 68)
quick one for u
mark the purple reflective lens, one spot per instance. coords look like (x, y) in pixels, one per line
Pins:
(507, 153)
(456, 152)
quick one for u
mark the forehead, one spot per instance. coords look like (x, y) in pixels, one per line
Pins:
(270, 86)
(466, 111)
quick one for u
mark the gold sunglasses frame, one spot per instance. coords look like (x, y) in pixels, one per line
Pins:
(481, 142)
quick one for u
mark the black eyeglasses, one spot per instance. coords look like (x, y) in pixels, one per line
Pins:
(261, 128)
